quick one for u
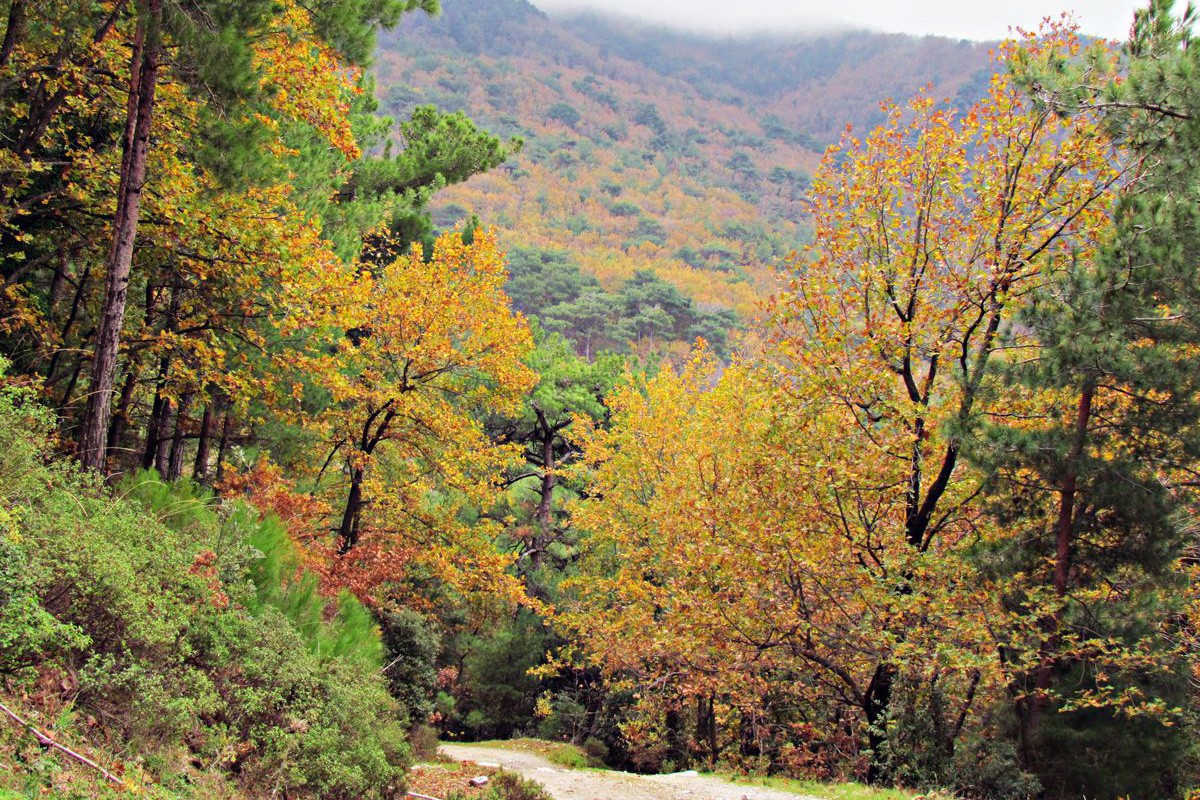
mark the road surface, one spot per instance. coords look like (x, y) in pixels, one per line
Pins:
(586, 784)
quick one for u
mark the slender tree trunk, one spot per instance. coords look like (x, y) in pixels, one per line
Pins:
(200, 470)
(120, 419)
(1064, 530)
(52, 370)
(69, 392)
(175, 462)
(54, 294)
(223, 444)
(544, 514)
(156, 427)
(143, 78)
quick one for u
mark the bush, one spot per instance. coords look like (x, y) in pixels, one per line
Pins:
(507, 786)
(179, 627)
(411, 647)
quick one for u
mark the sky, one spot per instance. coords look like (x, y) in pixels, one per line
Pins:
(959, 19)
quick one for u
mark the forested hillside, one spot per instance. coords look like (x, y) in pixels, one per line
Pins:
(649, 149)
(601, 391)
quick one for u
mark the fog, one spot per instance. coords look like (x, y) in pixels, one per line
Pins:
(960, 19)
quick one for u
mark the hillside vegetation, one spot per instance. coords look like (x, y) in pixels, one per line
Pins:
(326, 435)
(649, 149)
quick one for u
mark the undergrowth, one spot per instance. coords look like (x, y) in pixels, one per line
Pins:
(176, 641)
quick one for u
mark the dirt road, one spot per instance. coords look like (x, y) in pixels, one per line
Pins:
(571, 784)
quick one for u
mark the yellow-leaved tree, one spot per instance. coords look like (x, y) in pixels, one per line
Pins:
(429, 347)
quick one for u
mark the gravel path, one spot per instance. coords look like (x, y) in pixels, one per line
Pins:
(572, 784)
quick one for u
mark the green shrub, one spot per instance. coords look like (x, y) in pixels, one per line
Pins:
(507, 786)
(181, 628)
(411, 646)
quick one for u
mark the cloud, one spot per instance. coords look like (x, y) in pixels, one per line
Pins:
(954, 18)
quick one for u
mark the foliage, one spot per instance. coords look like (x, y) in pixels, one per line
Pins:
(162, 638)
(802, 531)
(508, 786)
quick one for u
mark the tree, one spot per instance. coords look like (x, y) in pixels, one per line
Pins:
(213, 52)
(1097, 471)
(569, 388)
(429, 343)
(927, 237)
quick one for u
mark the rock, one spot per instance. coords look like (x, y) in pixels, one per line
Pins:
(478, 780)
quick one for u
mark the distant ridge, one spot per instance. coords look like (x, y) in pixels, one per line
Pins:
(652, 148)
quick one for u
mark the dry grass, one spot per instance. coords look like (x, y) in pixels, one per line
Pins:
(442, 779)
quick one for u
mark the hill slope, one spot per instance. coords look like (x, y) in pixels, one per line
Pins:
(647, 148)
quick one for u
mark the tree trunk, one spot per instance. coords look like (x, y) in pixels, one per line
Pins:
(52, 370)
(676, 744)
(120, 419)
(374, 430)
(68, 395)
(710, 727)
(12, 30)
(156, 427)
(223, 444)
(349, 530)
(544, 515)
(175, 462)
(143, 77)
(162, 442)
(200, 470)
(876, 701)
(1064, 533)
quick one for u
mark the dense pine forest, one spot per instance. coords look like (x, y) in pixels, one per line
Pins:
(820, 410)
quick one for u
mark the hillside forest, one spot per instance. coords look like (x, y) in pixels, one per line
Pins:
(375, 373)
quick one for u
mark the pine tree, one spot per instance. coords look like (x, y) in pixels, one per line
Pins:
(1094, 475)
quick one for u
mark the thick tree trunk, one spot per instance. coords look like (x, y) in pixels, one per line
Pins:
(13, 29)
(143, 78)
(706, 726)
(374, 430)
(676, 743)
(876, 702)
(162, 441)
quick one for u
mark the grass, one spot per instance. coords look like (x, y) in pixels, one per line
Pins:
(830, 791)
(561, 753)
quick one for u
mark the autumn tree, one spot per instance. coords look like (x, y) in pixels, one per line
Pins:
(431, 342)
(928, 235)
(213, 51)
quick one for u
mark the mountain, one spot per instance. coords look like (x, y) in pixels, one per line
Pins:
(650, 149)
